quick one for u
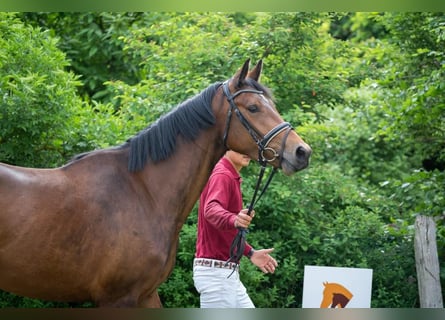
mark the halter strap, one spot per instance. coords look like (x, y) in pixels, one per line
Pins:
(261, 142)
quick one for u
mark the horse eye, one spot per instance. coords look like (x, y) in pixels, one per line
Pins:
(252, 108)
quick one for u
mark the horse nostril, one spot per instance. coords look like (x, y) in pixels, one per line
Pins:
(301, 152)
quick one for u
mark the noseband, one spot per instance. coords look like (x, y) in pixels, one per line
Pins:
(238, 244)
(262, 143)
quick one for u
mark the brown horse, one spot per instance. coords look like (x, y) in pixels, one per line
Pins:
(104, 227)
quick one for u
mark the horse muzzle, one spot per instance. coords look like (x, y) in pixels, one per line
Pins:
(297, 159)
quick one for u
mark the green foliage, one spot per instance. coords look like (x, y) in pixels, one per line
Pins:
(416, 107)
(359, 146)
(332, 220)
(215, 44)
(91, 42)
(36, 95)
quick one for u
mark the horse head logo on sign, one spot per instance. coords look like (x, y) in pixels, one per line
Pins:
(335, 295)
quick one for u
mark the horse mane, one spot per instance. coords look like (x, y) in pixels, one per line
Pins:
(158, 141)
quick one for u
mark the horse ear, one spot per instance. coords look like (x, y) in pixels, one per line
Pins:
(256, 72)
(242, 74)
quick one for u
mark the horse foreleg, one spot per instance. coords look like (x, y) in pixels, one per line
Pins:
(151, 301)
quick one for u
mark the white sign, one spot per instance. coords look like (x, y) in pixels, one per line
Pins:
(333, 287)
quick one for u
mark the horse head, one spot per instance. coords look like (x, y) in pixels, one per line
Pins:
(334, 295)
(250, 108)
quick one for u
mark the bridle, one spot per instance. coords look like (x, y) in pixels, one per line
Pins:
(261, 142)
(238, 244)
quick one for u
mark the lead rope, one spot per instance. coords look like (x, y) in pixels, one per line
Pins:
(239, 242)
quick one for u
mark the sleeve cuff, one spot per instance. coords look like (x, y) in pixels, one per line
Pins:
(247, 249)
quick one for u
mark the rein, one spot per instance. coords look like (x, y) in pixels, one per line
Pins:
(239, 242)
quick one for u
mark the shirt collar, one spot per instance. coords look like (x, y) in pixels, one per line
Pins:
(229, 166)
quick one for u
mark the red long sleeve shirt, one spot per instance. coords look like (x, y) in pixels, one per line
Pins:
(219, 204)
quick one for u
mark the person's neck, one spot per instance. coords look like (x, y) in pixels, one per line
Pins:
(237, 167)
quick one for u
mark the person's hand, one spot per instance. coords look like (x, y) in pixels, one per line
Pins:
(263, 260)
(243, 219)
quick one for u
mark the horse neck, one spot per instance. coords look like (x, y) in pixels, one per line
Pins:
(175, 183)
(181, 177)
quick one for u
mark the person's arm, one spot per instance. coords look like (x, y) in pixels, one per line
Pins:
(217, 201)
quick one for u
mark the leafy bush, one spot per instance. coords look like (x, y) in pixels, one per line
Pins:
(37, 96)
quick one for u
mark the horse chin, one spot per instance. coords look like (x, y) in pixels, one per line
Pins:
(289, 168)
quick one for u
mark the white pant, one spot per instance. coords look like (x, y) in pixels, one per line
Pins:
(218, 291)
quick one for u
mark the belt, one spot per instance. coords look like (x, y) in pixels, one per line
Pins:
(215, 263)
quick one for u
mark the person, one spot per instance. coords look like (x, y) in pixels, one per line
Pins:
(220, 214)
